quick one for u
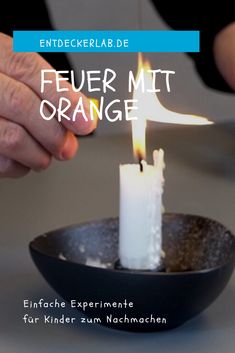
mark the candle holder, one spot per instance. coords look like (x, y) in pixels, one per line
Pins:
(79, 263)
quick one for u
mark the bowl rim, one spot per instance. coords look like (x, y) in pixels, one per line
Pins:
(33, 248)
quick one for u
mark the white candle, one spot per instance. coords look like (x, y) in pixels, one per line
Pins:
(140, 216)
(140, 223)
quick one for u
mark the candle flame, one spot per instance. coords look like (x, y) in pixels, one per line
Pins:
(138, 139)
(139, 125)
(150, 108)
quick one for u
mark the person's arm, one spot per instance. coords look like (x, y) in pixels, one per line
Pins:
(224, 52)
(213, 21)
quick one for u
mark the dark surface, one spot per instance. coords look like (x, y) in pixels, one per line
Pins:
(28, 15)
(199, 259)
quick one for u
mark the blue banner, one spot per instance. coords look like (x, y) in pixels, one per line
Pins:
(106, 41)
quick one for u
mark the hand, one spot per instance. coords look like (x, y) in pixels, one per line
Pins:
(26, 140)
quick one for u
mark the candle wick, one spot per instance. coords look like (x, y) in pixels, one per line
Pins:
(141, 165)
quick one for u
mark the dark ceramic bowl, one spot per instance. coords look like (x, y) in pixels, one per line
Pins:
(199, 260)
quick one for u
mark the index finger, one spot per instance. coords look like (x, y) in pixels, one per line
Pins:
(26, 68)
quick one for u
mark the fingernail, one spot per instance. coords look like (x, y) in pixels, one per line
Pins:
(86, 127)
(70, 146)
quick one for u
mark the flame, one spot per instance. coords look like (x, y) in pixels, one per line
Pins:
(139, 125)
(150, 108)
(138, 139)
